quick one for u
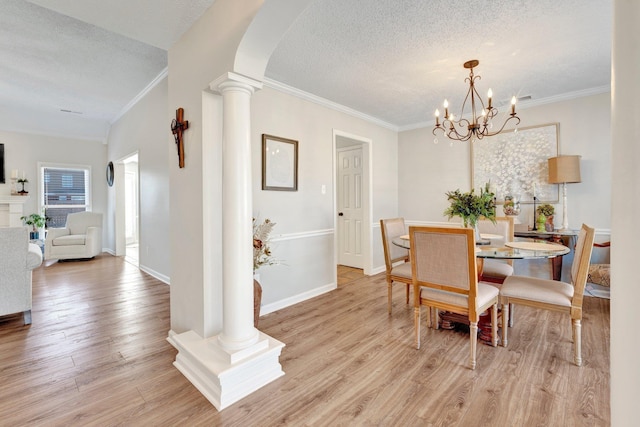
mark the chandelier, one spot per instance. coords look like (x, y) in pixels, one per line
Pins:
(478, 125)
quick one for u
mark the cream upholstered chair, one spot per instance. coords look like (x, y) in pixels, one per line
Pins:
(496, 270)
(445, 277)
(552, 294)
(396, 259)
(18, 258)
(80, 238)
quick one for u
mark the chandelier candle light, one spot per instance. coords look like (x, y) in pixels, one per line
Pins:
(479, 124)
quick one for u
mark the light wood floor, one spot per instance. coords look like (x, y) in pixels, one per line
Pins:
(96, 355)
(348, 274)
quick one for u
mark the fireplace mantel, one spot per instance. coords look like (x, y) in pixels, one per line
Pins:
(11, 209)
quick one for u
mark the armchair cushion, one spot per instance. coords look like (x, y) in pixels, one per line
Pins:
(69, 240)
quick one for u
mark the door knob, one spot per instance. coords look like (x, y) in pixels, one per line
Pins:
(340, 214)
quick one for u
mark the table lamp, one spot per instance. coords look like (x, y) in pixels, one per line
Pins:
(563, 170)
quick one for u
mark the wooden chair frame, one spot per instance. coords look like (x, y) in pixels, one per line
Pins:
(389, 260)
(579, 271)
(472, 309)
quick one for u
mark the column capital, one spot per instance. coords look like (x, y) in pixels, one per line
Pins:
(231, 79)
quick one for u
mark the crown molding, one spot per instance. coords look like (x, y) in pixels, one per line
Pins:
(55, 134)
(164, 73)
(281, 87)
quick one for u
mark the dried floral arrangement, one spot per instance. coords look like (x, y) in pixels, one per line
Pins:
(261, 250)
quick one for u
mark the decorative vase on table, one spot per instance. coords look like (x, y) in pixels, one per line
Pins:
(511, 206)
(548, 225)
(471, 207)
(257, 299)
(542, 219)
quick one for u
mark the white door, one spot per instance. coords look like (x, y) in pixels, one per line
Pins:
(350, 176)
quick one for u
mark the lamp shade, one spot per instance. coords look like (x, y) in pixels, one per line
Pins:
(564, 169)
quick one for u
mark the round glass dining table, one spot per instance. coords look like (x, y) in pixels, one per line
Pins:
(520, 248)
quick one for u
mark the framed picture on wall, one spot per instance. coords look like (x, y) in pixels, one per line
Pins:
(515, 163)
(279, 163)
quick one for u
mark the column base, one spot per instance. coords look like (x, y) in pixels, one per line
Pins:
(225, 378)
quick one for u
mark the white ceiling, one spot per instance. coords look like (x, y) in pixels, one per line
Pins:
(393, 60)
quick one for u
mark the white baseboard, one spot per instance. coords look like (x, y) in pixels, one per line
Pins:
(163, 278)
(278, 305)
(378, 270)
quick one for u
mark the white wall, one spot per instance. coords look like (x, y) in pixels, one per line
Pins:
(24, 151)
(203, 53)
(428, 170)
(305, 218)
(145, 129)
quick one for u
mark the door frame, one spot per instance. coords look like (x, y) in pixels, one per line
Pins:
(120, 234)
(367, 201)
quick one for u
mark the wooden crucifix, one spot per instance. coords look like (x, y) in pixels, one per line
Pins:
(179, 125)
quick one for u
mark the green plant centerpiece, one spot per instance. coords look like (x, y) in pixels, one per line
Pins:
(471, 206)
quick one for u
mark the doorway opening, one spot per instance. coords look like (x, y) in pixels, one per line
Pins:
(127, 209)
(352, 190)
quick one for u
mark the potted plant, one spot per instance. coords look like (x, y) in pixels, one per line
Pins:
(545, 217)
(36, 222)
(471, 206)
(261, 256)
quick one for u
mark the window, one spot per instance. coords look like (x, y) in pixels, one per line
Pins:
(64, 190)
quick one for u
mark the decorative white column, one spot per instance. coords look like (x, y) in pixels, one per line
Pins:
(625, 233)
(240, 360)
(238, 331)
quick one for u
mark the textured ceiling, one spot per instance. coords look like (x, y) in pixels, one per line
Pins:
(397, 60)
(63, 75)
(394, 60)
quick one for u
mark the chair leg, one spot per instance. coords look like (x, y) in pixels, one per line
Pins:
(27, 317)
(416, 325)
(505, 323)
(408, 293)
(390, 295)
(494, 325)
(577, 341)
(473, 342)
(511, 315)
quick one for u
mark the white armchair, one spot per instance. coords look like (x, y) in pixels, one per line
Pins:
(18, 258)
(80, 238)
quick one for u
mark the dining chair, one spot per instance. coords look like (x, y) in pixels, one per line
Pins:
(495, 270)
(445, 277)
(396, 259)
(553, 294)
